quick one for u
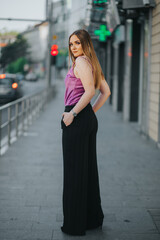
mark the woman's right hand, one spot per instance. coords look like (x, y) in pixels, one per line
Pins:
(67, 118)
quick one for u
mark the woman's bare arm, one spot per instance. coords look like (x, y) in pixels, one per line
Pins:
(84, 72)
(103, 96)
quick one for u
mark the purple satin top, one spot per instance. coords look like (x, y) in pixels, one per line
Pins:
(74, 88)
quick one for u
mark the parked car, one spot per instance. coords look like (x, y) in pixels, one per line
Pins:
(31, 76)
(10, 88)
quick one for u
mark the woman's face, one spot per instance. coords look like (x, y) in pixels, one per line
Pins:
(75, 46)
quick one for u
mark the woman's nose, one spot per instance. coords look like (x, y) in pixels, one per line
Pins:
(74, 46)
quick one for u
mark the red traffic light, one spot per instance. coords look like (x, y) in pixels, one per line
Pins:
(54, 50)
(55, 46)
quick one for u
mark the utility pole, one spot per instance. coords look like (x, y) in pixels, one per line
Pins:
(49, 11)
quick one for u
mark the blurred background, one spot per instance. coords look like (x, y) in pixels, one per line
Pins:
(126, 37)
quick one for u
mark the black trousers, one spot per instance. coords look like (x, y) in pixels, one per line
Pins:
(81, 193)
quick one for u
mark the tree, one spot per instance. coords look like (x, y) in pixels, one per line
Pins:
(17, 66)
(14, 51)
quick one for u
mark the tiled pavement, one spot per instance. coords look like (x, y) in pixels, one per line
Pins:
(31, 180)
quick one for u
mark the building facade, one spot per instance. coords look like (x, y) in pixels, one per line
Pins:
(132, 64)
(154, 91)
(37, 40)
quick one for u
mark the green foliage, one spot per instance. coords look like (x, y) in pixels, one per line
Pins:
(14, 51)
(17, 66)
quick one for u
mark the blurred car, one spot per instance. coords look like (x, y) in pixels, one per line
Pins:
(31, 76)
(10, 88)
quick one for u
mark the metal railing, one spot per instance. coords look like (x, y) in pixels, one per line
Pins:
(16, 116)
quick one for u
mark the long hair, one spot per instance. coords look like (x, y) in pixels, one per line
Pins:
(88, 50)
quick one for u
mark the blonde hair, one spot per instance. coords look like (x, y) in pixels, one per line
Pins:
(88, 50)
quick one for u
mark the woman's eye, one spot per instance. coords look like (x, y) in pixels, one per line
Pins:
(75, 42)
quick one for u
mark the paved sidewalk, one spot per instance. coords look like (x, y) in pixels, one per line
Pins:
(31, 180)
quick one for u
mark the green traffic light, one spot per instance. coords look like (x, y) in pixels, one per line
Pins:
(102, 33)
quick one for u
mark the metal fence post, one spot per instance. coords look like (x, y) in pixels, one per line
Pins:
(9, 126)
(16, 120)
(0, 129)
(22, 116)
(27, 112)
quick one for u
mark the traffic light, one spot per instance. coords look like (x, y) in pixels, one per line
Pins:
(54, 50)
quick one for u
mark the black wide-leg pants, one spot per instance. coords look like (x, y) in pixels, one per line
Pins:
(81, 193)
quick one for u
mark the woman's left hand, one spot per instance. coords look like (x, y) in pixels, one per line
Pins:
(67, 118)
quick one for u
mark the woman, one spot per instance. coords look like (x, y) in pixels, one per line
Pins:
(81, 194)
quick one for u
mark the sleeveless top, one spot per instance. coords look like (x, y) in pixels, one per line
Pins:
(73, 88)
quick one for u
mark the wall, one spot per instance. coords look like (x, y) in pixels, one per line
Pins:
(155, 74)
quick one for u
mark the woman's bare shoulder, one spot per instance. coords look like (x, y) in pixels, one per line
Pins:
(83, 60)
(79, 59)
